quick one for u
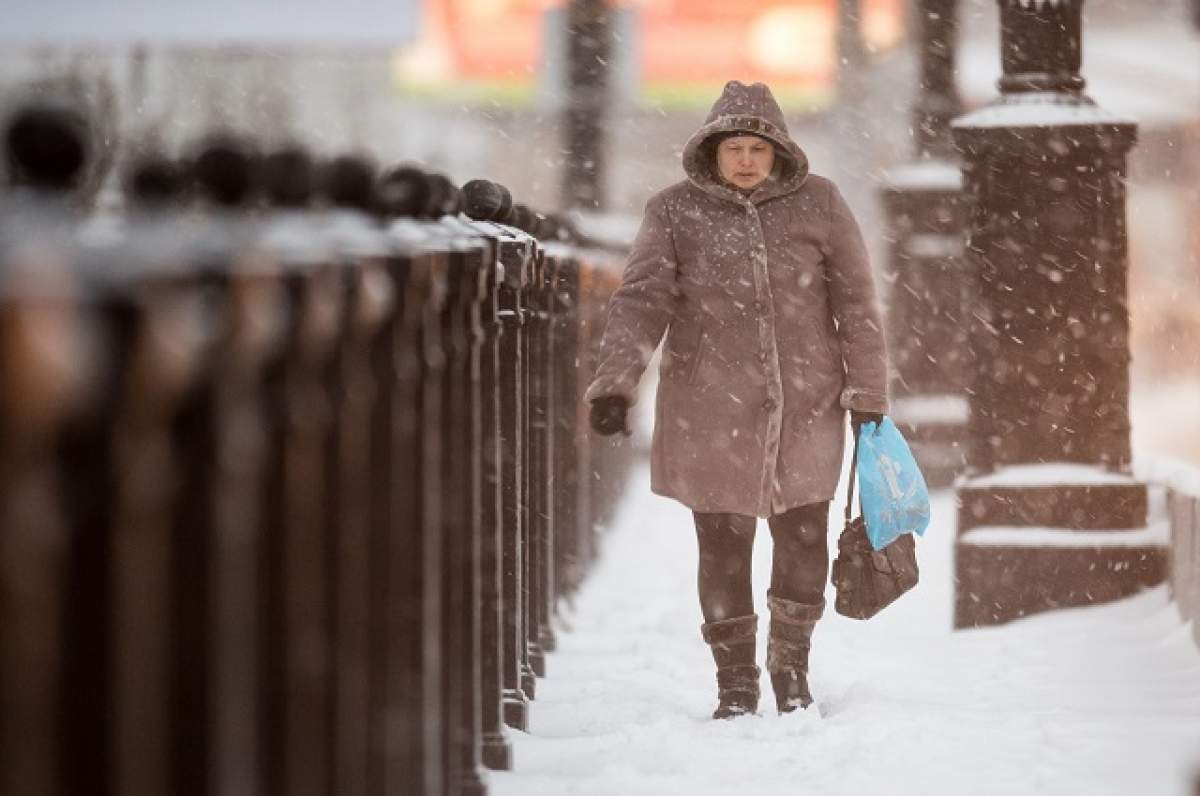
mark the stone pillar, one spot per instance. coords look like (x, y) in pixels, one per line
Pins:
(589, 46)
(926, 271)
(1050, 516)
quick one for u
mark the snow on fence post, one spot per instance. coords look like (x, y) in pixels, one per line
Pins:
(927, 282)
(1044, 171)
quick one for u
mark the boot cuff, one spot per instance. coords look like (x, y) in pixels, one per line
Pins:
(789, 613)
(739, 629)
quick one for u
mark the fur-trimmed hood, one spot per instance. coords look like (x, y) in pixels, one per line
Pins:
(751, 109)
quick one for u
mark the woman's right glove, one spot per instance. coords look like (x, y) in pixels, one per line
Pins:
(608, 415)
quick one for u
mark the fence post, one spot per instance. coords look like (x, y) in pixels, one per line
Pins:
(460, 520)
(488, 477)
(519, 679)
(565, 295)
(369, 297)
(40, 311)
(297, 575)
(408, 520)
(432, 277)
(497, 752)
(218, 699)
(541, 635)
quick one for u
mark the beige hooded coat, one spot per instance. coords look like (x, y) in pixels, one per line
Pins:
(772, 325)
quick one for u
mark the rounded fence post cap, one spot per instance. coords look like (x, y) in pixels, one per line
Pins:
(152, 180)
(403, 191)
(349, 181)
(484, 200)
(224, 170)
(47, 146)
(287, 176)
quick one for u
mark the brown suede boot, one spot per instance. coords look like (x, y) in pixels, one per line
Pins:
(733, 648)
(787, 651)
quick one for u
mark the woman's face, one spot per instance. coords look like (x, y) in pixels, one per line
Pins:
(745, 160)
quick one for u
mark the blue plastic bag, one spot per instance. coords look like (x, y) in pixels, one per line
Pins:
(895, 500)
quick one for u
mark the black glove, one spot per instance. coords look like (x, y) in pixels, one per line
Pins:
(857, 419)
(608, 415)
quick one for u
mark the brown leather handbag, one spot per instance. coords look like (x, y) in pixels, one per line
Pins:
(869, 580)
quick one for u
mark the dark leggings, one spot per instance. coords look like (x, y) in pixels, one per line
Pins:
(798, 571)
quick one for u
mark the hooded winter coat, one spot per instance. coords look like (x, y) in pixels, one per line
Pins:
(771, 322)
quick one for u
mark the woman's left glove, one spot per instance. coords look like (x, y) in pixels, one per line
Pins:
(857, 419)
(608, 415)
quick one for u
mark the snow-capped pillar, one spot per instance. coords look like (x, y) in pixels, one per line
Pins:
(1044, 170)
(926, 280)
(1044, 176)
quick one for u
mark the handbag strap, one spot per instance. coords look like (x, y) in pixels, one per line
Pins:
(853, 473)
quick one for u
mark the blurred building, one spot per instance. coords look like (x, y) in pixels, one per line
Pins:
(473, 88)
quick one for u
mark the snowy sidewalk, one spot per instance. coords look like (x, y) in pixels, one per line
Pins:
(1101, 700)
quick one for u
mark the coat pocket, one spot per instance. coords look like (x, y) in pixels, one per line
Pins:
(824, 345)
(680, 353)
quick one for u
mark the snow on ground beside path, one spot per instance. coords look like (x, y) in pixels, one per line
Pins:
(1102, 700)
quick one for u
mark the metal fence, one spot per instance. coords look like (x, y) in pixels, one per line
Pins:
(287, 495)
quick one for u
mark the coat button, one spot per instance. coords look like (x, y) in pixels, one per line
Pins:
(769, 404)
(762, 357)
(758, 306)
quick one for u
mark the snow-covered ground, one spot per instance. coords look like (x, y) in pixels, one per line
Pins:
(1102, 700)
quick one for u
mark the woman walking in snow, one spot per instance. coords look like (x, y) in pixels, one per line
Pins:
(756, 271)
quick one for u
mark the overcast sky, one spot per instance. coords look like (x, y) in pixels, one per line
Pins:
(205, 21)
